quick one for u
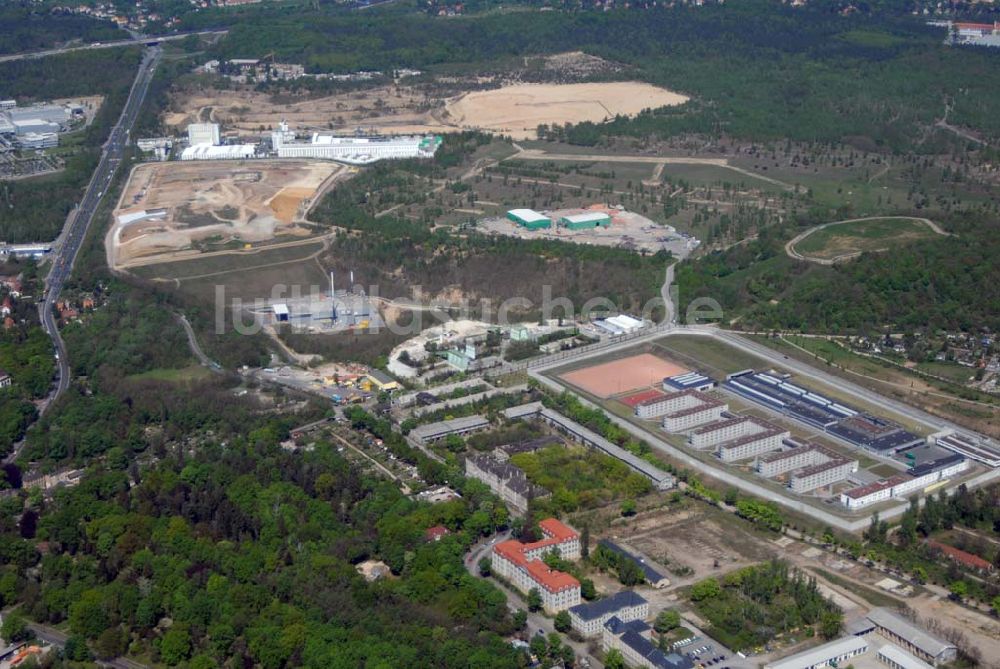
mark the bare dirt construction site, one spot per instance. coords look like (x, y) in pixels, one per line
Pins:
(516, 109)
(173, 211)
(627, 230)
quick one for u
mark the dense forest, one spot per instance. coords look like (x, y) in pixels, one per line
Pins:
(755, 69)
(26, 27)
(947, 282)
(246, 551)
(36, 209)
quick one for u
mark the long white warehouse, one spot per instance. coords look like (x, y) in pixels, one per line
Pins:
(353, 150)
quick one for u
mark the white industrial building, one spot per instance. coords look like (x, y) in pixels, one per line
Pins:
(675, 401)
(901, 485)
(897, 658)
(714, 434)
(228, 152)
(204, 133)
(811, 466)
(751, 445)
(36, 141)
(620, 324)
(35, 126)
(353, 150)
(831, 654)
(821, 475)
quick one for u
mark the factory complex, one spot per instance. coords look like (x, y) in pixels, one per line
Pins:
(352, 150)
(38, 126)
(857, 428)
(533, 220)
(205, 142)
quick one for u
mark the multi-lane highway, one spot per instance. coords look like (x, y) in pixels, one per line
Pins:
(77, 225)
(136, 39)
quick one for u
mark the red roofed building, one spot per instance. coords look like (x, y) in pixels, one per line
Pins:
(963, 558)
(522, 566)
(435, 533)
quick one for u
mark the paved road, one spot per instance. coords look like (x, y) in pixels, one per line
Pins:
(196, 348)
(138, 39)
(79, 223)
(57, 638)
(792, 253)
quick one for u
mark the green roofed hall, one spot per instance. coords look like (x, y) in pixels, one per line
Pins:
(529, 218)
(590, 219)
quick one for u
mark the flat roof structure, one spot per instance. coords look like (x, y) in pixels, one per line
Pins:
(652, 575)
(822, 656)
(900, 627)
(641, 397)
(441, 429)
(689, 381)
(602, 607)
(897, 658)
(588, 217)
(528, 215)
(865, 490)
(971, 447)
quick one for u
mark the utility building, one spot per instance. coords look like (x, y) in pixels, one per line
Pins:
(587, 221)
(529, 219)
(203, 133)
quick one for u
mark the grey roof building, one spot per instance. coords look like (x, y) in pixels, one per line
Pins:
(588, 618)
(638, 650)
(440, 430)
(655, 578)
(908, 636)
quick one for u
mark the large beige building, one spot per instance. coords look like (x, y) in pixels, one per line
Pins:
(522, 565)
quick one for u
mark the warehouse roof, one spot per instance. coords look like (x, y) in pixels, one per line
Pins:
(904, 629)
(651, 574)
(587, 217)
(819, 655)
(446, 427)
(529, 215)
(612, 604)
(900, 658)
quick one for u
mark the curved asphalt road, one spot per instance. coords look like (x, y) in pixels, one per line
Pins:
(792, 253)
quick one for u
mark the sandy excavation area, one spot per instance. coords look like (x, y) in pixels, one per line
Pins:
(174, 208)
(516, 109)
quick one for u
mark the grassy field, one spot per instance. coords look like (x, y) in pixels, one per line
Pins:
(707, 354)
(875, 235)
(181, 375)
(244, 275)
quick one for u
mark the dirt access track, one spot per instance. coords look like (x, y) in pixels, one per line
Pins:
(516, 109)
(170, 211)
(850, 253)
